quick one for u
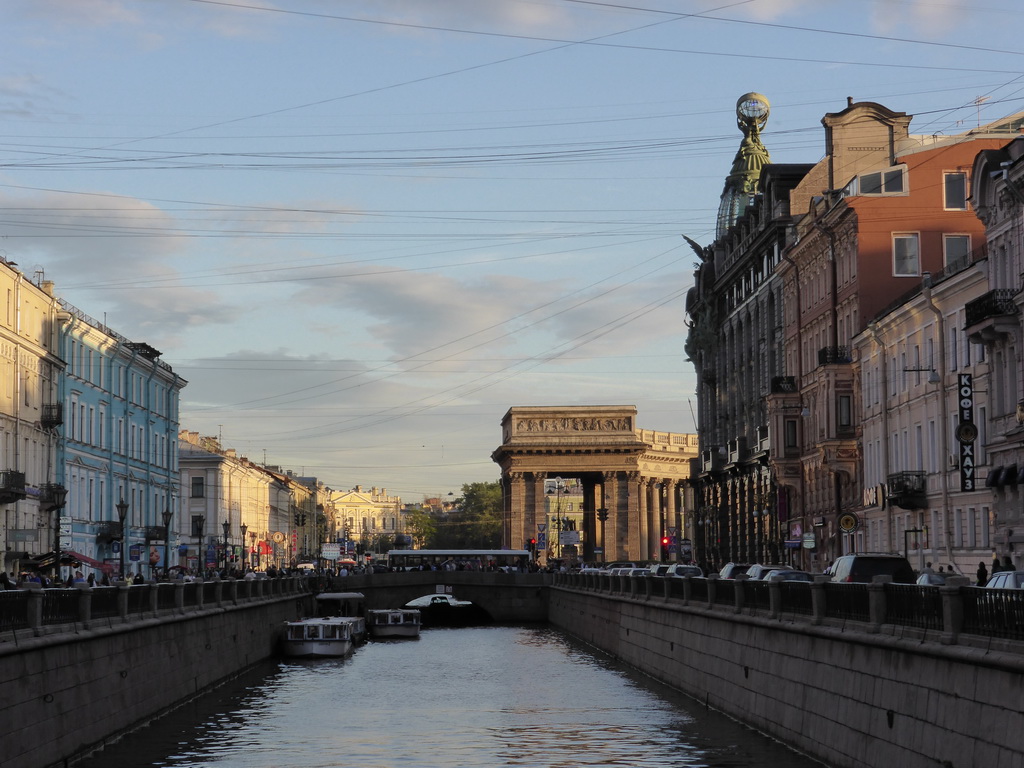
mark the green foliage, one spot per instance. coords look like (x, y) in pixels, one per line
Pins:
(422, 527)
(475, 520)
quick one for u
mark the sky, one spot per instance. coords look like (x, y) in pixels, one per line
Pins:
(362, 231)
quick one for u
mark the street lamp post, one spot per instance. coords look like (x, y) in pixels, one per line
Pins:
(200, 527)
(168, 516)
(226, 525)
(122, 514)
(243, 528)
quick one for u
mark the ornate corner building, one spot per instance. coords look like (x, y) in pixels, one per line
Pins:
(785, 304)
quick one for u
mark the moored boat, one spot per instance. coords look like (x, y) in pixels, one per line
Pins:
(331, 636)
(393, 622)
(344, 605)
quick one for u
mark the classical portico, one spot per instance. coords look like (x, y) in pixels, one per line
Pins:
(632, 479)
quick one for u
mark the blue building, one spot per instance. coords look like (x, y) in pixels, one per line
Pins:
(118, 453)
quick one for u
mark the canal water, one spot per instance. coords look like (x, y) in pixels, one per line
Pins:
(454, 698)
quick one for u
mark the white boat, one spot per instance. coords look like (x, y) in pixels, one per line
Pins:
(344, 605)
(393, 622)
(331, 636)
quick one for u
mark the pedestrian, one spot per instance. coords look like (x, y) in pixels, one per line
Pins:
(1007, 563)
(928, 569)
(996, 567)
(982, 574)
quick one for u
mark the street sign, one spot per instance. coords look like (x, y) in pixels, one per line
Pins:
(331, 551)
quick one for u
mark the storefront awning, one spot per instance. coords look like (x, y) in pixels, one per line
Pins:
(101, 566)
(995, 477)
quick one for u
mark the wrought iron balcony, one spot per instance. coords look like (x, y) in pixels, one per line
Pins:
(992, 317)
(908, 490)
(12, 486)
(53, 415)
(834, 356)
(993, 304)
(783, 384)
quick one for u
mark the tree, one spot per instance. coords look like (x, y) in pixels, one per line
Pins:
(422, 527)
(480, 513)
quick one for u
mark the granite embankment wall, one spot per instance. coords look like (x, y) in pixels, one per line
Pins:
(69, 690)
(846, 696)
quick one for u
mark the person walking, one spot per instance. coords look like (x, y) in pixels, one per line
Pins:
(982, 574)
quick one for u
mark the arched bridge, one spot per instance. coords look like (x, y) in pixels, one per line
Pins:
(505, 597)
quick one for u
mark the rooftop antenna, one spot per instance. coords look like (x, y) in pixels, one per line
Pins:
(977, 103)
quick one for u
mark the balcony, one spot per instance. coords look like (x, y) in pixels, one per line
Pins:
(834, 356)
(763, 439)
(736, 450)
(711, 460)
(12, 486)
(908, 490)
(53, 416)
(782, 385)
(992, 316)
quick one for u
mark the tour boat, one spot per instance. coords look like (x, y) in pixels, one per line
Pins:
(348, 606)
(331, 636)
(396, 622)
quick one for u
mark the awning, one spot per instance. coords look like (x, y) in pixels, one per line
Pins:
(995, 477)
(105, 567)
(40, 562)
(1010, 475)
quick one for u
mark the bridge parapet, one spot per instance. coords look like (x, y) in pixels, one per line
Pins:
(958, 614)
(505, 597)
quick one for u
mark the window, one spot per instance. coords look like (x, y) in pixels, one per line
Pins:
(197, 523)
(889, 182)
(955, 188)
(906, 261)
(790, 426)
(845, 411)
(198, 487)
(956, 249)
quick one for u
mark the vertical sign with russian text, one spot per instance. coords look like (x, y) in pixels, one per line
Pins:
(966, 431)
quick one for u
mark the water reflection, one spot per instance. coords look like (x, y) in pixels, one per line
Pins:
(489, 696)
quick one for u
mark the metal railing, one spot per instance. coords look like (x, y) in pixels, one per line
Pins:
(45, 610)
(957, 613)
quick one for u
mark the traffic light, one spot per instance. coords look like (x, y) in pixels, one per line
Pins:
(532, 546)
(664, 548)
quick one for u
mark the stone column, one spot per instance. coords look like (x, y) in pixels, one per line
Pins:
(516, 509)
(627, 526)
(644, 516)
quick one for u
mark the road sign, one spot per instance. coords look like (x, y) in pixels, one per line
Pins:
(331, 551)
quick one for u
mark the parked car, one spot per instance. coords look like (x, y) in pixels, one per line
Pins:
(760, 572)
(679, 570)
(1006, 580)
(732, 570)
(862, 568)
(932, 579)
(788, 574)
(659, 569)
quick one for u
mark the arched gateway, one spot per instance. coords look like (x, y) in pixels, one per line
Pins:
(631, 480)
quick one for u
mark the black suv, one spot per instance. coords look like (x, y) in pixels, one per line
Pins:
(863, 568)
